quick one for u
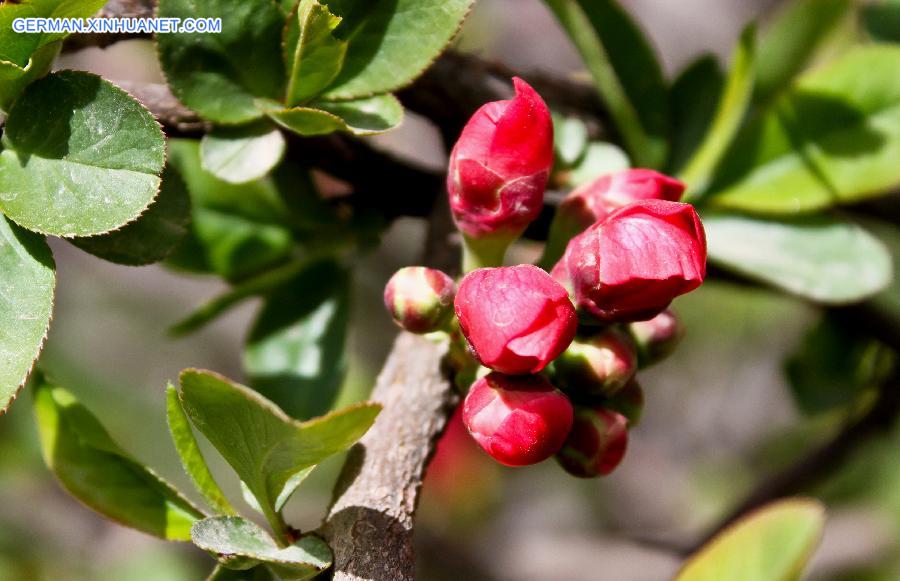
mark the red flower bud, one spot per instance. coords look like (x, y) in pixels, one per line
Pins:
(596, 444)
(629, 401)
(517, 319)
(420, 299)
(500, 165)
(598, 365)
(656, 338)
(630, 265)
(518, 420)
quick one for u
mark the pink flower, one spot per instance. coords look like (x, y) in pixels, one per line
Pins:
(630, 265)
(518, 420)
(516, 319)
(596, 444)
(420, 299)
(500, 165)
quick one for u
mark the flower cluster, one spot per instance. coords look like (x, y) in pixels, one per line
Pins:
(550, 358)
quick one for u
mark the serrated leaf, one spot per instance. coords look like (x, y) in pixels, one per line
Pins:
(791, 41)
(96, 471)
(262, 444)
(730, 112)
(80, 156)
(295, 353)
(833, 366)
(154, 235)
(242, 154)
(694, 97)
(882, 20)
(773, 543)
(27, 281)
(834, 137)
(626, 73)
(17, 48)
(240, 544)
(313, 55)
(823, 259)
(391, 42)
(220, 75)
(237, 230)
(192, 459)
(14, 79)
(361, 117)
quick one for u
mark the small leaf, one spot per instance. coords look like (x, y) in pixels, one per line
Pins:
(823, 259)
(361, 117)
(625, 70)
(391, 42)
(14, 79)
(694, 97)
(312, 53)
(242, 154)
(833, 366)
(259, 573)
(240, 544)
(833, 137)
(599, 158)
(154, 235)
(220, 75)
(28, 276)
(191, 457)
(262, 444)
(93, 469)
(791, 41)
(570, 139)
(237, 230)
(18, 48)
(882, 20)
(772, 544)
(730, 112)
(80, 156)
(295, 353)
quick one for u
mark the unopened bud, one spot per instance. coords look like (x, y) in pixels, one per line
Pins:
(420, 299)
(599, 365)
(629, 402)
(596, 444)
(656, 338)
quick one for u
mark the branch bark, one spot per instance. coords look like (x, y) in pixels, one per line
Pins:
(370, 523)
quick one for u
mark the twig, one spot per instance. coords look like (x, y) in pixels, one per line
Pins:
(370, 523)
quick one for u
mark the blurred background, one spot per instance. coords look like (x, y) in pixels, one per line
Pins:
(719, 414)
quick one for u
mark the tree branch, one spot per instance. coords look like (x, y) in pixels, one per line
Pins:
(370, 523)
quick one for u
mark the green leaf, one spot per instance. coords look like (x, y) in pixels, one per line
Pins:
(262, 444)
(391, 42)
(599, 158)
(773, 543)
(220, 75)
(154, 235)
(823, 259)
(361, 117)
(191, 457)
(312, 53)
(240, 544)
(833, 366)
(625, 71)
(237, 230)
(80, 156)
(570, 139)
(882, 20)
(295, 353)
(18, 48)
(834, 137)
(694, 98)
(14, 79)
(730, 112)
(26, 304)
(792, 40)
(260, 573)
(242, 154)
(93, 469)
